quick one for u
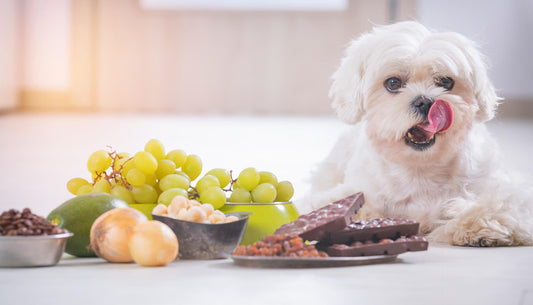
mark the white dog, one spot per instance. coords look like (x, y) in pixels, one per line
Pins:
(418, 148)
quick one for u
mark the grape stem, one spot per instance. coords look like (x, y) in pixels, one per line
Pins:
(231, 182)
(114, 174)
(193, 193)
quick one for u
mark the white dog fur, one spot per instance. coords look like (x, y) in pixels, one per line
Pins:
(456, 188)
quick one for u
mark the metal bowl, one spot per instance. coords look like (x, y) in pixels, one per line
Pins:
(205, 240)
(32, 251)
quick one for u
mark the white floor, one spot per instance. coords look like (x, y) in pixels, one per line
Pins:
(40, 152)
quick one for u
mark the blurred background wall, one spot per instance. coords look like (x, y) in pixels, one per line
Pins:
(158, 56)
(9, 57)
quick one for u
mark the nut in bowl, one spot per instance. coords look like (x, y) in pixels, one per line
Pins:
(199, 240)
(202, 231)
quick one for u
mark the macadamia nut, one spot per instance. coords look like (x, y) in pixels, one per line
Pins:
(160, 209)
(192, 210)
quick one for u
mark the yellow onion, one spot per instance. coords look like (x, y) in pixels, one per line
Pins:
(153, 243)
(111, 232)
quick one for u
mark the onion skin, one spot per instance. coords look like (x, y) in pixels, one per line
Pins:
(111, 232)
(153, 243)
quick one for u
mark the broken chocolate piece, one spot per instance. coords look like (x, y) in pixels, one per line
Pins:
(333, 217)
(375, 229)
(383, 247)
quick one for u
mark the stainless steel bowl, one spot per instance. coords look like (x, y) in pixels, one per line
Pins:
(204, 240)
(32, 251)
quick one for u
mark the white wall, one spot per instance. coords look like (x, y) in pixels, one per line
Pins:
(46, 45)
(504, 30)
(8, 53)
(36, 56)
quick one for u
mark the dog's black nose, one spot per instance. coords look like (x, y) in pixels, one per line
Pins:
(421, 105)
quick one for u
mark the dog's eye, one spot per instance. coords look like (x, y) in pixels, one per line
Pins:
(393, 84)
(445, 82)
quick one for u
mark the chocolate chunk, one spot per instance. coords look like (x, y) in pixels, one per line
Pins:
(375, 229)
(333, 217)
(383, 247)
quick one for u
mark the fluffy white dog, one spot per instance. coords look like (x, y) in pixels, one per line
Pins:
(418, 147)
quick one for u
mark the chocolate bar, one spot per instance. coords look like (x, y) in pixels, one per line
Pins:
(383, 247)
(375, 229)
(333, 217)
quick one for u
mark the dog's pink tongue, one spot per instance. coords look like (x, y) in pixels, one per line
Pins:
(440, 117)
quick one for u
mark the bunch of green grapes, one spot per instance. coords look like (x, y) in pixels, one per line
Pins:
(148, 176)
(154, 176)
(250, 186)
(260, 187)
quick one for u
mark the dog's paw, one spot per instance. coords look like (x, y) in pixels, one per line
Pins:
(480, 232)
(485, 242)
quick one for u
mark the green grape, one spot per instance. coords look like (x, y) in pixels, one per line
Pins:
(165, 167)
(178, 172)
(268, 177)
(123, 193)
(144, 194)
(101, 186)
(99, 161)
(151, 180)
(222, 175)
(173, 181)
(136, 177)
(213, 195)
(75, 183)
(248, 178)
(127, 165)
(114, 182)
(123, 157)
(205, 182)
(177, 156)
(240, 195)
(285, 191)
(192, 166)
(145, 161)
(235, 185)
(156, 148)
(167, 196)
(264, 193)
(84, 189)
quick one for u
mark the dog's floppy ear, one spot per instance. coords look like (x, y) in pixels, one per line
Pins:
(347, 88)
(484, 92)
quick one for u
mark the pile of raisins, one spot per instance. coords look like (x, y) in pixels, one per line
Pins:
(280, 245)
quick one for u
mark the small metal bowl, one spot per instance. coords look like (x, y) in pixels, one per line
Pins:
(205, 240)
(32, 251)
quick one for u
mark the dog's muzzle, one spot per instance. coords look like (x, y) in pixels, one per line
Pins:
(421, 105)
(437, 117)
